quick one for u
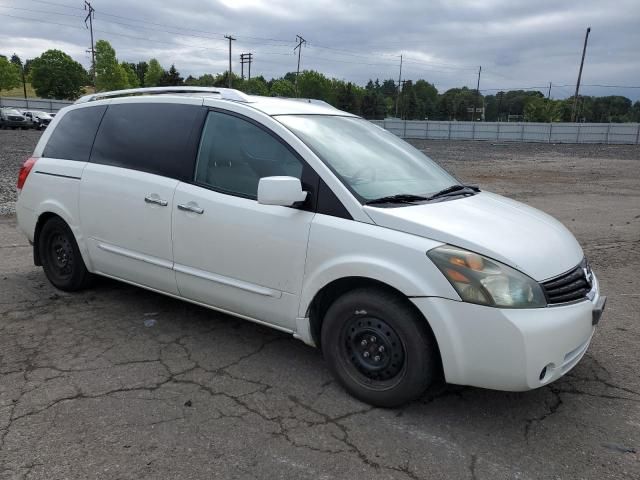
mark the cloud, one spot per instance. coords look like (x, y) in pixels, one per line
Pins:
(518, 43)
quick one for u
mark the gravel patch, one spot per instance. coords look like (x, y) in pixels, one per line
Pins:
(15, 148)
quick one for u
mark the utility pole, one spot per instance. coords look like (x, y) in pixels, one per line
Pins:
(90, 16)
(24, 82)
(301, 41)
(231, 39)
(399, 82)
(245, 58)
(549, 92)
(575, 98)
(475, 102)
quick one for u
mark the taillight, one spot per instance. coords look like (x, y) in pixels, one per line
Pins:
(24, 171)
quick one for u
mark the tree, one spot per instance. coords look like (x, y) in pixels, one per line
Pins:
(256, 86)
(153, 74)
(141, 69)
(15, 59)
(130, 75)
(109, 73)
(10, 76)
(171, 78)
(282, 88)
(312, 84)
(54, 74)
(542, 110)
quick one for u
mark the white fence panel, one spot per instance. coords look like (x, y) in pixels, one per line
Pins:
(34, 103)
(621, 133)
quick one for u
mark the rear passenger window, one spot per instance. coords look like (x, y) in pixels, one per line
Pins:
(235, 154)
(159, 138)
(74, 134)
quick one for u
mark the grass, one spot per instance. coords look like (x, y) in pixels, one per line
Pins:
(19, 92)
(31, 93)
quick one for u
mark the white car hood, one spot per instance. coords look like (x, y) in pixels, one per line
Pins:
(509, 231)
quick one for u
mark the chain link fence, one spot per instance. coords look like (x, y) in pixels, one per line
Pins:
(34, 103)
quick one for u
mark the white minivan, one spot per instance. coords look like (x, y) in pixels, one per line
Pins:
(315, 222)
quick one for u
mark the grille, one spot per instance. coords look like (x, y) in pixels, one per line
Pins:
(15, 119)
(570, 286)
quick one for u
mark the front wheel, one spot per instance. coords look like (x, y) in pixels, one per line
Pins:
(378, 347)
(61, 258)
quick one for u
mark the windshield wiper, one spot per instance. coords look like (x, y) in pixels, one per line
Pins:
(399, 198)
(455, 190)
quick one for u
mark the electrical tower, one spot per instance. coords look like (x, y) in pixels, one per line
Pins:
(246, 58)
(301, 41)
(231, 39)
(90, 16)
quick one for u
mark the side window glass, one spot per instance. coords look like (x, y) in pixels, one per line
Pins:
(235, 154)
(150, 137)
(73, 136)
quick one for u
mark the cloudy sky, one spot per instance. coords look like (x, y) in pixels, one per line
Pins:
(519, 43)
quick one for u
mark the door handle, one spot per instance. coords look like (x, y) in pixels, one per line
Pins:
(191, 207)
(156, 200)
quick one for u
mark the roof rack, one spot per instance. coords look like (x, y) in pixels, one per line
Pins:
(225, 93)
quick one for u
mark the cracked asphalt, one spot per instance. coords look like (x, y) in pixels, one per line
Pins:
(118, 382)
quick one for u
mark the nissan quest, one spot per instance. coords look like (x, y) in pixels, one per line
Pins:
(318, 223)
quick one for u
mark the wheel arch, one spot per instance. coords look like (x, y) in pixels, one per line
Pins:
(338, 287)
(61, 213)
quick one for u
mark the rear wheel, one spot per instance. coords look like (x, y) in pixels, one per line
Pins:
(61, 258)
(379, 347)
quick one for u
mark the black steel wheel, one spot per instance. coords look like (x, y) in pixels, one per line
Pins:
(61, 259)
(373, 350)
(379, 347)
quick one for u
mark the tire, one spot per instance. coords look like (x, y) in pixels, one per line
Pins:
(61, 259)
(397, 361)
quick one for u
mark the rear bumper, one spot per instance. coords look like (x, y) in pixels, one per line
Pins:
(510, 349)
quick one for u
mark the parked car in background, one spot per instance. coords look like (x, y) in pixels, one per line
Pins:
(315, 222)
(40, 119)
(13, 118)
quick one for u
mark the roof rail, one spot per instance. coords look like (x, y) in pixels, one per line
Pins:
(225, 93)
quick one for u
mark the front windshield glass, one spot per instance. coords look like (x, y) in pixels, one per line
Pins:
(372, 162)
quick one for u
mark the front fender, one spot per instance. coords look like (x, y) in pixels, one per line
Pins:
(340, 248)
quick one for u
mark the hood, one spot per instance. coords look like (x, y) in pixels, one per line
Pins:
(509, 231)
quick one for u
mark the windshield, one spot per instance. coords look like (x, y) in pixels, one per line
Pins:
(372, 162)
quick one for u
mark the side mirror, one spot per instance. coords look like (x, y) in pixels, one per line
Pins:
(283, 191)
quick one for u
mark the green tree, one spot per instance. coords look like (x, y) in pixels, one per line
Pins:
(15, 59)
(141, 69)
(153, 74)
(312, 84)
(256, 86)
(132, 79)
(54, 74)
(171, 78)
(282, 88)
(542, 110)
(10, 76)
(109, 73)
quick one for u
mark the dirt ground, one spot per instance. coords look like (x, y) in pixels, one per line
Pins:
(118, 382)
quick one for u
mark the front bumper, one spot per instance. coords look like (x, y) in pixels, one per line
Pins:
(510, 349)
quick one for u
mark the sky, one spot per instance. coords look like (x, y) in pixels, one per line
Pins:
(519, 44)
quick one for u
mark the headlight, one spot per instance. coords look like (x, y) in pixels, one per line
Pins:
(480, 280)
